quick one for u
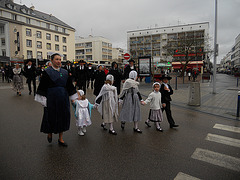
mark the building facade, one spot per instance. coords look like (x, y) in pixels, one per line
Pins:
(117, 55)
(96, 50)
(151, 42)
(235, 55)
(26, 33)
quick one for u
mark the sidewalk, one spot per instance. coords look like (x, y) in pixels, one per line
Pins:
(223, 104)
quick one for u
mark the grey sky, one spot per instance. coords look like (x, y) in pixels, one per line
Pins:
(113, 18)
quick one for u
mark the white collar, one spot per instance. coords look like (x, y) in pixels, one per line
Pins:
(56, 69)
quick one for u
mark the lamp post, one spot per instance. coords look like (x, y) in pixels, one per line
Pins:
(36, 49)
(215, 51)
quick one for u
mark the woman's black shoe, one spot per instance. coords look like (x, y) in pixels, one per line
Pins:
(122, 125)
(160, 129)
(174, 125)
(137, 130)
(49, 139)
(62, 143)
(103, 126)
(112, 132)
(17, 93)
(148, 125)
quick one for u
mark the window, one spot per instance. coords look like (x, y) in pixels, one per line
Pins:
(39, 34)
(57, 38)
(88, 50)
(39, 44)
(4, 52)
(29, 54)
(29, 43)
(28, 32)
(49, 46)
(64, 48)
(64, 57)
(39, 55)
(56, 47)
(63, 30)
(56, 28)
(64, 39)
(14, 17)
(3, 41)
(28, 20)
(47, 25)
(2, 30)
(48, 36)
(88, 45)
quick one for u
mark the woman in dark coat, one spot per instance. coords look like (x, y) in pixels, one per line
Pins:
(53, 93)
(100, 77)
(117, 76)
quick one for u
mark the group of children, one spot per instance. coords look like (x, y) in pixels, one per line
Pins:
(107, 103)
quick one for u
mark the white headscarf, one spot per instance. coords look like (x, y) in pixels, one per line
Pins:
(155, 84)
(110, 78)
(133, 75)
(81, 92)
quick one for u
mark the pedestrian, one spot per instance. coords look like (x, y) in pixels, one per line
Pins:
(81, 76)
(2, 73)
(107, 104)
(91, 76)
(30, 73)
(38, 72)
(105, 69)
(8, 72)
(166, 92)
(82, 111)
(99, 79)
(17, 79)
(129, 68)
(189, 75)
(117, 76)
(155, 114)
(130, 98)
(53, 93)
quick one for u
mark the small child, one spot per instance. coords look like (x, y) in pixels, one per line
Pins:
(155, 114)
(82, 111)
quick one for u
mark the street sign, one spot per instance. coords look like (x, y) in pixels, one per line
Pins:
(126, 56)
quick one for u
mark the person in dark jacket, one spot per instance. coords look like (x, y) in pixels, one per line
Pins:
(117, 76)
(8, 72)
(129, 68)
(99, 77)
(91, 75)
(81, 76)
(30, 73)
(166, 92)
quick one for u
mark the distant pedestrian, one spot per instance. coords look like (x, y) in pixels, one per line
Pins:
(99, 79)
(166, 92)
(30, 73)
(155, 114)
(82, 112)
(189, 75)
(81, 76)
(91, 76)
(2, 73)
(8, 73)
(107, 104)
(117, 76)
(129, 68)
(17, 79)
(194, 75)
(130, 99)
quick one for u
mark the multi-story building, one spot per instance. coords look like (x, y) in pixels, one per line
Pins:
(26, 33)
(96, 50)
(117, 55)
(235, 56)
(151, 42)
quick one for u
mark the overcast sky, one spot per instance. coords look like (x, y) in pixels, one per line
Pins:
(113, 18)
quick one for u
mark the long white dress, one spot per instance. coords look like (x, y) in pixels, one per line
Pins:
(82, 113)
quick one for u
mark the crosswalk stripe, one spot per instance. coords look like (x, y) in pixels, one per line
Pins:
(223, 140)
(227, 128)
(218, 159)
(183, 176)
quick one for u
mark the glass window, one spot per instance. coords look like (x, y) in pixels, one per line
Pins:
(28, 20)
(29, 54)
(29, 43)
(39, 44)
(64, 39)
(2, 30)
(4, 52)
(64, 57)
(47, 25)
(39, 55)
(39, 34)
(3, 41)
(56, 28)
(57, 38)
(63, 30)
(14, 17)
(49, 46)
(48, 36)
(28, 32)
(56, 47)
(65, 48)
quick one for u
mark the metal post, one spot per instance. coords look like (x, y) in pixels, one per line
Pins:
(215, 51)
(238, 104)
(176, 83)
(237, 81)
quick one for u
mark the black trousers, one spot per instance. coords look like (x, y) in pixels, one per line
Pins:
(169, 113)
(29, 85)
(82, 85)
(90, 81)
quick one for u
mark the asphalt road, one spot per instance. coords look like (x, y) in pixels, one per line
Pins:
(26, 154)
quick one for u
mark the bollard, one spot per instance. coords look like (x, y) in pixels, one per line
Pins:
(176, 83)
(237, 81)
(238, 104)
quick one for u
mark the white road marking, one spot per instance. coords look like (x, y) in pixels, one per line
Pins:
(218, 159)
(183, 176)
(227, 128)
(223, 140)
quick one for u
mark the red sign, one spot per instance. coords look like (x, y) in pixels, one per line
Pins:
(126, 56)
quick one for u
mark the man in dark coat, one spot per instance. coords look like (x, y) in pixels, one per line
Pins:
(129, 68)
(91, 75)
(30, 73)
(99, 77)
(117, 76)
(8, 72)
(81, 76)
(70, 70)
(166, 92)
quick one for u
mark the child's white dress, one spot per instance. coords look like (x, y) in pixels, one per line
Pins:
(82, 113)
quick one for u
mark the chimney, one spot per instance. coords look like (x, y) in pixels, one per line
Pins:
(32, 8)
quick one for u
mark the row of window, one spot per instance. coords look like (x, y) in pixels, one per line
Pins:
(39, 55)
(48, 35)
(48, 45)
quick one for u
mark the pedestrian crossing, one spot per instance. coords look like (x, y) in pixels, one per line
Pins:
(216, 158)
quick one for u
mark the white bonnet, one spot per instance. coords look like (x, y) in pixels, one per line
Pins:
(110, 78)
(133, 75)
(81, 92)
(155, 84)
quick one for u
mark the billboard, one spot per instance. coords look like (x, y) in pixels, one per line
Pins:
(144, 66)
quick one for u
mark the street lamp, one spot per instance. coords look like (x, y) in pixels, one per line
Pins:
(36, 49)
(215, 51)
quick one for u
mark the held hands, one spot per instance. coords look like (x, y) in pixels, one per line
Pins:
(163, 105)
(143, 103)
(95, 105)
(167, 89)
